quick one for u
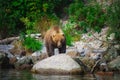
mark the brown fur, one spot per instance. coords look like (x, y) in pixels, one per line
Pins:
(54, 38)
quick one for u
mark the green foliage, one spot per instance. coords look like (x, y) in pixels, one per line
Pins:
(113, 20)
(20, 15)
(32, 44)
(68, 39)
(44, 23)
(31, 16)
(7, 24)
(87, 16)
(66, 30)
(71, 33)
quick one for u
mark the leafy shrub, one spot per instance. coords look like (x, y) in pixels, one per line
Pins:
(68, 39)
(9, 18)
(113, 19)
(32, 44)
(87, 16)
(13, 14)
(70, 32)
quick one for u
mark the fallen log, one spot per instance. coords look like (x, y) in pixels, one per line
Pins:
(8, 40)
(95, 66)
(83, 66)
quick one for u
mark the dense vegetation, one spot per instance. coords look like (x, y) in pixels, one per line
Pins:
(18, 16)
(30, 16)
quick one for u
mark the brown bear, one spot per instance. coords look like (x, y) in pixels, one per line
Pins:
(54, 38)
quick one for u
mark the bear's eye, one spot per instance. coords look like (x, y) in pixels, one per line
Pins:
(53, 35)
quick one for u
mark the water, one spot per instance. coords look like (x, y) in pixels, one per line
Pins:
(26, 75)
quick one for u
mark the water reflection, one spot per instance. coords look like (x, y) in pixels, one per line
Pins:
(15, 75)
(26, 75)
(107, 77)
(61, 77)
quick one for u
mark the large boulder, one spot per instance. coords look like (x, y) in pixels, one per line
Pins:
(57, 64)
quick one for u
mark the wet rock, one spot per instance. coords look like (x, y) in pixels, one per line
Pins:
(57, 64)
(5, 61)
(26, 60)
(24, 67)
(114, 64)
(13, 60)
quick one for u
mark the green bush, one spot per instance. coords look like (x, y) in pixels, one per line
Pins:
(9, 18)
(71, 33)
(32, 44)
(113, 19)
(87, 16)
(17, 16)
(68, 39)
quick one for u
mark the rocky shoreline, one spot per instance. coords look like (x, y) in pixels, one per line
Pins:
(91, 54)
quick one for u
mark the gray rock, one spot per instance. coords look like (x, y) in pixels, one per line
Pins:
(57, 64)
(26, 60)
(5, 50)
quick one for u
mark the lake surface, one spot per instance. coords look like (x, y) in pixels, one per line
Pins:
(26, 75)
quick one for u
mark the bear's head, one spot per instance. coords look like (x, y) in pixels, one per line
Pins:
(58, 38)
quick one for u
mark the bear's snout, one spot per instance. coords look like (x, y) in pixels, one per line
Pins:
(59, 44)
